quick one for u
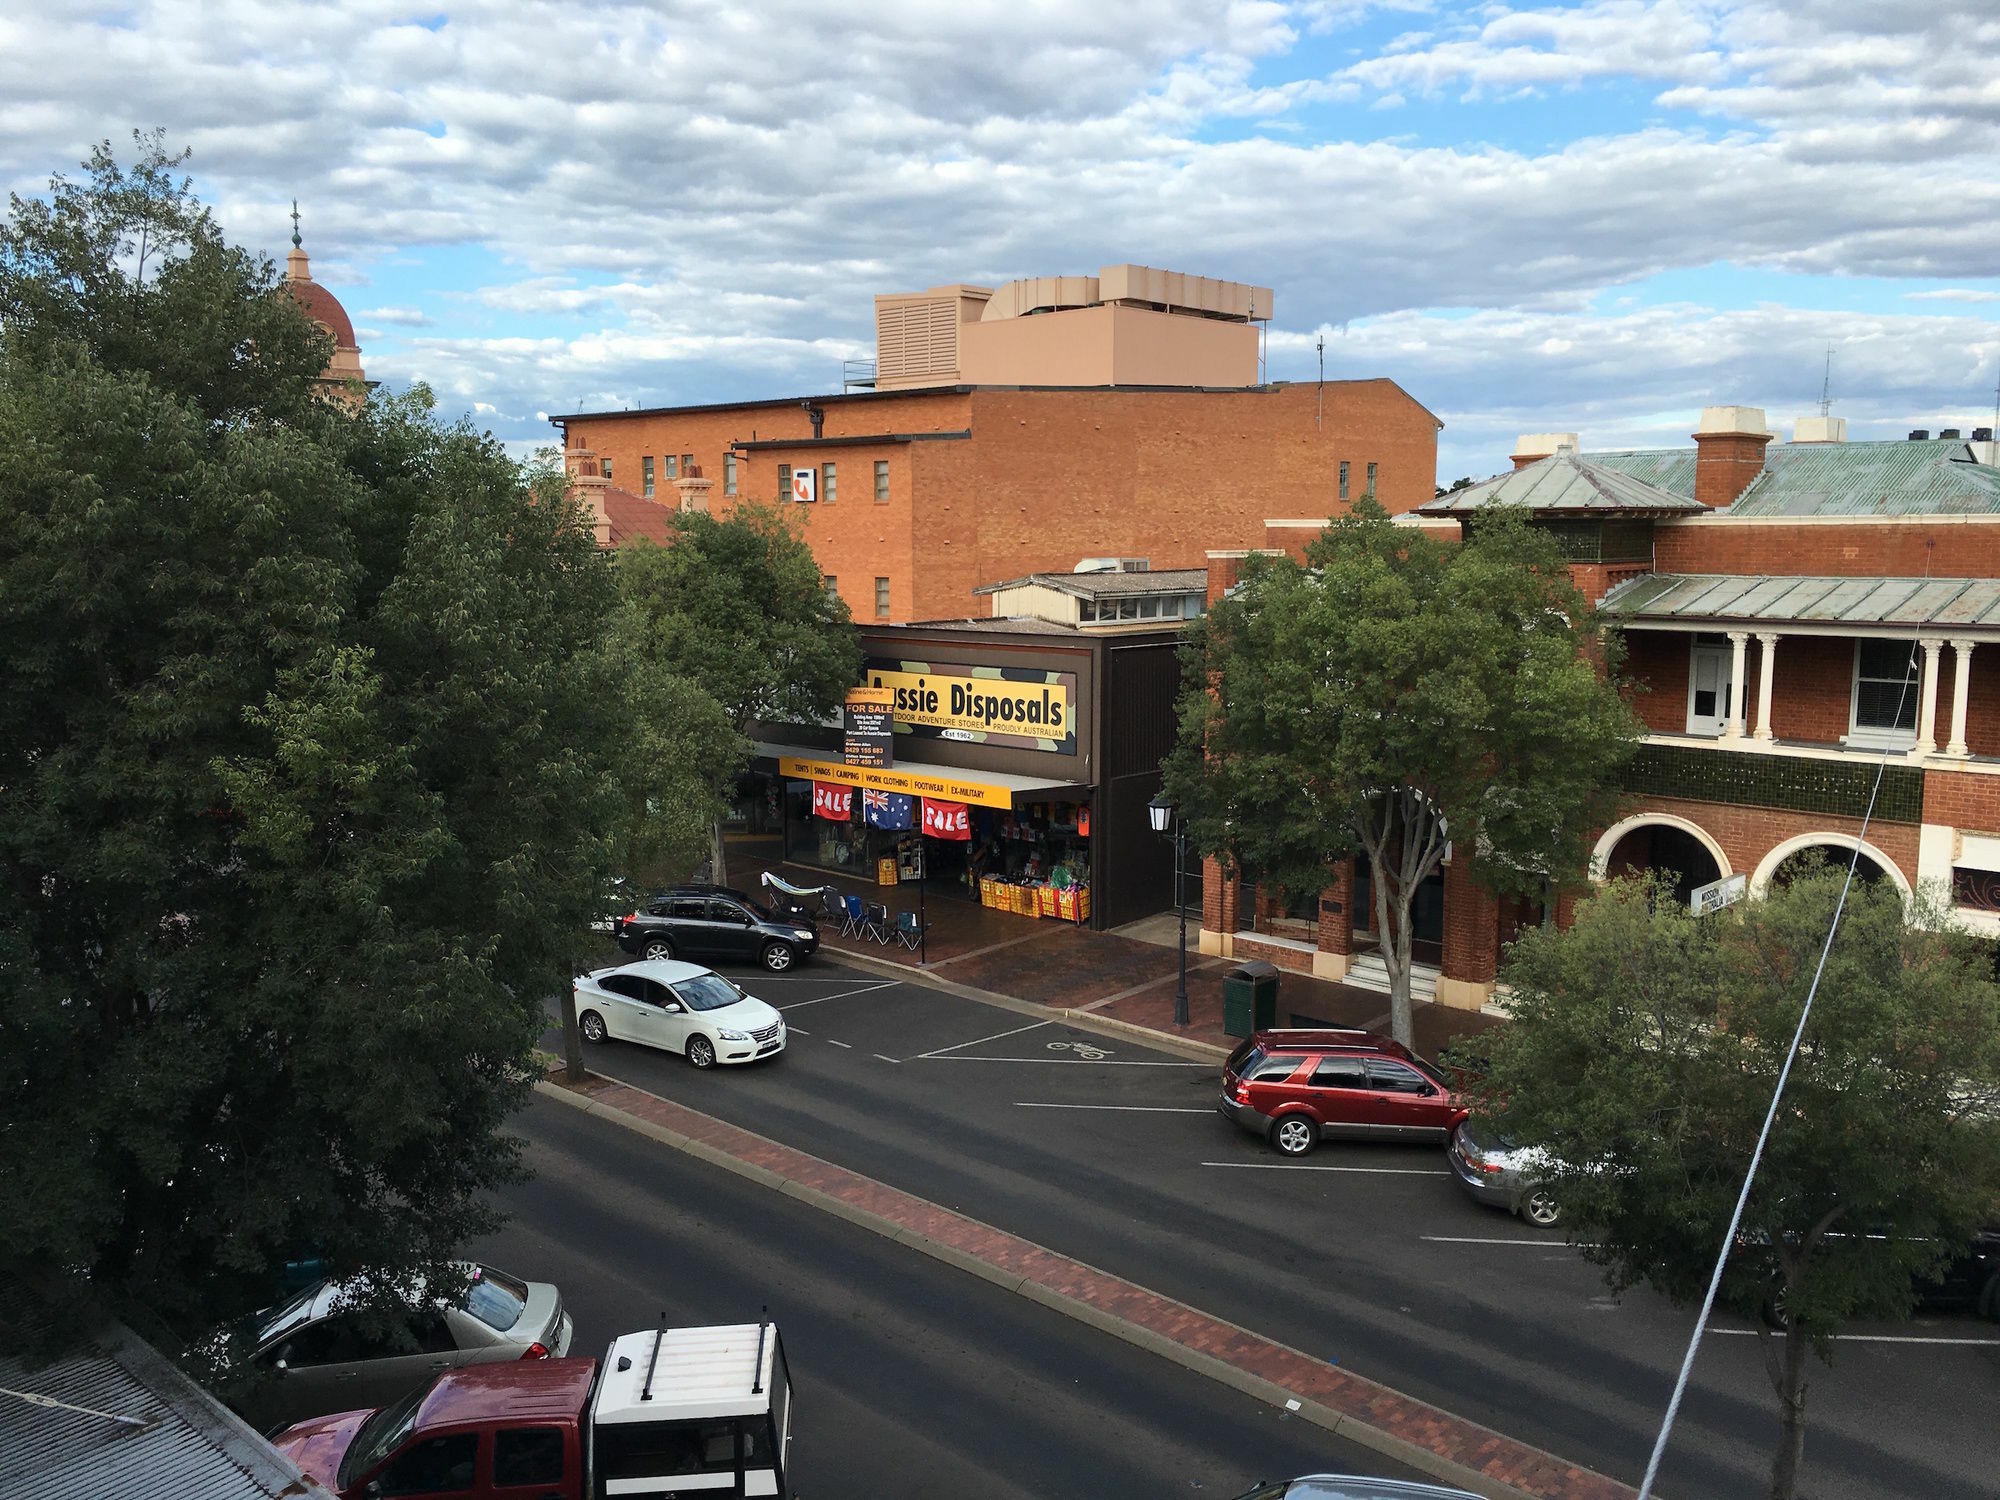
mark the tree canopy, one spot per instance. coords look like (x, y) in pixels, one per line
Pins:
(1642, 1056)
(309, 779)
(1394, 695)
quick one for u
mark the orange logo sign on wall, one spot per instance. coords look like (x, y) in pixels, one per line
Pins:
(805, 484)
(946, 820)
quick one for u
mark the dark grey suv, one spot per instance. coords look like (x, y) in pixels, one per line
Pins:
(716, 925)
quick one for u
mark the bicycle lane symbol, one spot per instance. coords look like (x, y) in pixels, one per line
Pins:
(1085, 1051)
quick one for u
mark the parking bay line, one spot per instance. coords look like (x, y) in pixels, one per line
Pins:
(1462, 1239)
(849, 1046)
(1284, 1166)
(1130, 1109)
(1872, 1338)
(843, 994)
(1079, 1062)
(977, 1041)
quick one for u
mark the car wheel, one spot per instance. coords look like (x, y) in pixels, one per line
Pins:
(591, 1024)
(777, 957)
(1295, 1135)
(1540, 1209)
(701, 1052)
(656, 947)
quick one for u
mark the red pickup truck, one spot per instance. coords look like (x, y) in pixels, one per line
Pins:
(666, 1415)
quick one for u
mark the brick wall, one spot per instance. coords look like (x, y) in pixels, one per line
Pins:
(1962, 799)
(1951, 550)
(1219, 897)
(1725, 463)
(1336, 911)
(1747, 834)
(1812, 688)
(1657, 660)
(1471, 927)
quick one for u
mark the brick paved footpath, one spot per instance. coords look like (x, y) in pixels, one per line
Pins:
(1409, 1431)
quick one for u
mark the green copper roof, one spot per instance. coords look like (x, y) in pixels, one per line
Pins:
(1568, 485)
(1929, 478)
(1749, 598)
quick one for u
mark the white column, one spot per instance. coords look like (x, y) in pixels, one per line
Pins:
(1739, 643)
(1961, 686)
(1767, 653)
(1927, 696)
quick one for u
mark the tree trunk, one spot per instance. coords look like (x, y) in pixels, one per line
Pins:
(718, 869)
(1791, 1386)
(573, 1069)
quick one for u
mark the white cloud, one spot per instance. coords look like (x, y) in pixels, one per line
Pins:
(1954, 294)
(400, 317)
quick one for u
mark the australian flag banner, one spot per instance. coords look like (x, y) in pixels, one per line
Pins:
(891, 810)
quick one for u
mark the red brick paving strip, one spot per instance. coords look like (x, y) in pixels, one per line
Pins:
(1401, 1427)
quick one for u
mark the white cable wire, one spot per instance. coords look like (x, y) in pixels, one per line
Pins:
(1763, 1135)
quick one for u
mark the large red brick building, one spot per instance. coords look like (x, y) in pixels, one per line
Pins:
(1797, 617)
(1024, 429)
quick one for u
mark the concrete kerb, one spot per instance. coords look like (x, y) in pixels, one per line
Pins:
(1354, 1430)
(1082, 1020)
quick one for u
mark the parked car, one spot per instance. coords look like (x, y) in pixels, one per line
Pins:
(1970, 1281)
(681, 1007)
(715, 923)
(1296, 1087)
(1501, 1173)
(1351, 1487)
(321, 1353)
(676, 1411)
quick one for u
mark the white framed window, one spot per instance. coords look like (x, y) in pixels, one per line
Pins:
(1887, 681)
(881, 598)
(826, 484)
(784, 482)
(673, 467)
(646, 475)
(729, 473)
(1371, 478)
(1343, 479)
(881, 479)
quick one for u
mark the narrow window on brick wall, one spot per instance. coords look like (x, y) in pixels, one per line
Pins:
(672, 467)
(1885, 688)
(881, 479)
(1343, 481)
(881, 598)
(646, 475)
(826, 495)
(832, 584)
(784, 481)
(687, 466)
(1371, 479)
(607, 468)
(729, 473)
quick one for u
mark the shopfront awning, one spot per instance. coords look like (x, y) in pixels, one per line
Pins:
(948, 783)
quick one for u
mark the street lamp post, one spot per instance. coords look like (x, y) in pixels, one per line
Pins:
(1164, 814)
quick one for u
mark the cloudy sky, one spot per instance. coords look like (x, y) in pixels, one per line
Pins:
(1595, 217)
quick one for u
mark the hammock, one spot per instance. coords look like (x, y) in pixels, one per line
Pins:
(772, 882)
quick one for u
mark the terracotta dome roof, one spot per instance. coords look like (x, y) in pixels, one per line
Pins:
(323, 307)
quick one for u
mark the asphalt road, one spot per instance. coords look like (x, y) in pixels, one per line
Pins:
(911, 1378)
(1369, 1255)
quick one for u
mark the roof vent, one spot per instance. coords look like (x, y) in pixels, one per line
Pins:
(1982, 434)
(1947, 432)
(1920, 435)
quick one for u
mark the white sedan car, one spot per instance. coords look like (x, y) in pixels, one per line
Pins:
(681, 1007)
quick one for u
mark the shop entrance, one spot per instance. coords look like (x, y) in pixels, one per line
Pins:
(1426, 914)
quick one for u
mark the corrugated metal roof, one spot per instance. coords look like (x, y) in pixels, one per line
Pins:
(129, 1423)
(1566, 484)
(1102, 585)
(1906, 602)
(1936, 477)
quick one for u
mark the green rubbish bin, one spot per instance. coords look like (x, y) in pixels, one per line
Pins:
(1250, 998)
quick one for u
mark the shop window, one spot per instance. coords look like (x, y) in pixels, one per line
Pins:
(646, 475)
(1343, 480)
(673, 467)
(826, 482)
(729, 473)
(1885, 690)
(881, 479)
(881, 598)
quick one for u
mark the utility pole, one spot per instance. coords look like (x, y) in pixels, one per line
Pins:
(1319, 412)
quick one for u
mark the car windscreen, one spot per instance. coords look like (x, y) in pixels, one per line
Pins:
(707, 992)
(1243, 1059)
(377, 1437)
(1482, 1135)
(291, 1315)
(496, 1299)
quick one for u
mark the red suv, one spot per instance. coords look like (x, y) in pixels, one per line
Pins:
(1296, 1086)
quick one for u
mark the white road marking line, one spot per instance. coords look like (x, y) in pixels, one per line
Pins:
(1461, 1239)
(1065, 1062)
(832, 1043)
(1872, 1338)
(1285, 1166)
(796, 1030)
(841, 994)
(955, 1046)
(1130, 1109)
(880, 1058)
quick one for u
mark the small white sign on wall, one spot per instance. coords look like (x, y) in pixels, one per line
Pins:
(1718, 894)
(805, 484)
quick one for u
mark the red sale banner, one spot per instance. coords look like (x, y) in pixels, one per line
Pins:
(946, 820)
(831, 801)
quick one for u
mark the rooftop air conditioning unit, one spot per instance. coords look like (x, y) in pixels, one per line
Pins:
(1114, 565)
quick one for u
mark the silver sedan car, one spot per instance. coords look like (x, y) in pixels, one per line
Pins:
(318, 1354)
(1497, 1171)
(1352, 1487)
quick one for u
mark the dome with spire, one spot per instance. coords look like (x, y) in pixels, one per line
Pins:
(319, 304)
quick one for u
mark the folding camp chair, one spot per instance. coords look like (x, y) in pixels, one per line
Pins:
(909, 931)
(877, 923)
(854, 917)
(833, 906)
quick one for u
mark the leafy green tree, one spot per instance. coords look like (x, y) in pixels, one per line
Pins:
(736, 605)
(1397, 695)
(310, 771)
(1644, 1050)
